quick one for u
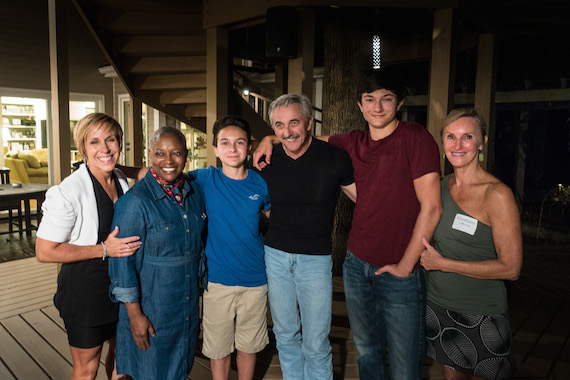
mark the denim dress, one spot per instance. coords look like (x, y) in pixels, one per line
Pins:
(162, 276)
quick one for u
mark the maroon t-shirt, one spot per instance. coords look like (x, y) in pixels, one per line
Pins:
(384, 171)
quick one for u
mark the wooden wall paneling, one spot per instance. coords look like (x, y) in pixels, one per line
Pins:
(59, 136)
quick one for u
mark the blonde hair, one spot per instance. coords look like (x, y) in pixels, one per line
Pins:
(91, 121)
(458, 113)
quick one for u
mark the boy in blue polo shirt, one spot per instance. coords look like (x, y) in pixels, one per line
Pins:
(235, 303)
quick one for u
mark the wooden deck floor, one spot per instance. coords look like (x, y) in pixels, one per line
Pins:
(33, 343)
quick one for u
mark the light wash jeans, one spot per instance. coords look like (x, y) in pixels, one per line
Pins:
(300, 294)
(386, 311)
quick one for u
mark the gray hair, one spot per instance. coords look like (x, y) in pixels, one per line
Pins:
(286, 100)
(171, 131)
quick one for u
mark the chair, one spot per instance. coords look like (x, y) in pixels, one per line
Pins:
(10, 206)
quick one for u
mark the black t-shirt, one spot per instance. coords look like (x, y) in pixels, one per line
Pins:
(303, 196)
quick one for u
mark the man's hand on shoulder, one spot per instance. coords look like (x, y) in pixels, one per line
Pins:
(265, 149)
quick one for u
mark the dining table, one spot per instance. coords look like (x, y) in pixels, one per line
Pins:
(24, 193)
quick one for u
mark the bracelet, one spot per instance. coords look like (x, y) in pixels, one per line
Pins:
(104, 251)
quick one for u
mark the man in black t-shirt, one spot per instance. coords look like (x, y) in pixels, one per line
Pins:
(304, 180)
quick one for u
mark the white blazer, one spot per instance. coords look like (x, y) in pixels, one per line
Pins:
(70, 210)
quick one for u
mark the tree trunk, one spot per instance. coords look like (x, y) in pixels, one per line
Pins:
(347, 54)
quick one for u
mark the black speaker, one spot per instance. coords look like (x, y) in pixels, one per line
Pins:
(281, 32)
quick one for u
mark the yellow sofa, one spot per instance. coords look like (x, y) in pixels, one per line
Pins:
(28, 166)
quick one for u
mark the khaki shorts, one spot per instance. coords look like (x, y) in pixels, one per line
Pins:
(235, 317)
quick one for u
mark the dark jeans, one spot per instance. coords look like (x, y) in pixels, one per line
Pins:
(386, 312)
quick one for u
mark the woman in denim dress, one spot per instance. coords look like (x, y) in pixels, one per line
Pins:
(158, 286)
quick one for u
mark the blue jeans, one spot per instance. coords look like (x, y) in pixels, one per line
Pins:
(300, 293)
(386, 311)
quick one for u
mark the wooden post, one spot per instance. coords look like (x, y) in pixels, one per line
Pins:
(217, 83)
(485, 92)
(59, 133)
(281, 78)
(442, 72)
(300, 78)
(135, 133)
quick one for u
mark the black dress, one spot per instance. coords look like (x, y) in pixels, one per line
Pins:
(82, 296)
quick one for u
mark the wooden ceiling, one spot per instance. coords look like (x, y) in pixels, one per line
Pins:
(158, 49)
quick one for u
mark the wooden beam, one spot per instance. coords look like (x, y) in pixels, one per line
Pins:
(505, 97)
(217, 87)
(301, 68)
(177, 22)
(104, 44)
(281, 77)
(183, 97)
(533, 96)
(59, 78)
(159, 45)
(441, 73)
(224, 12)
(485, 91)
(136, 151)
(195, 110)
(182, 64)
(152, 5)
(174, 81)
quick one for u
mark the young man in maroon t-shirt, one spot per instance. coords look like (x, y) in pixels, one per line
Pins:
(397, 175)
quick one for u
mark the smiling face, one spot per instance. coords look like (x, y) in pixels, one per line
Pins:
(102, 149)
(232, 146)
(292, 129)
(462, 141)
(168, 157)
(379, 109)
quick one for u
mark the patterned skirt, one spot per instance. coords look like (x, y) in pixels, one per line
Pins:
(477, 345)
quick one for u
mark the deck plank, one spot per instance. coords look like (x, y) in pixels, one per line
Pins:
(550, 345)
(561, 370)
(50, 331)
(53, 314)
(21, 364)
(539, 320)
(529, 334)
(49, 360)
(5, 373)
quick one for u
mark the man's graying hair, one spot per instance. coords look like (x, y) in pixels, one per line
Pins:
(288, 99)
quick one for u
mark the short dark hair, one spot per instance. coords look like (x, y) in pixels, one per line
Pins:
(388, 79)
(229, 121)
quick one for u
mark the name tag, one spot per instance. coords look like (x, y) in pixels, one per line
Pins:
(465, 224)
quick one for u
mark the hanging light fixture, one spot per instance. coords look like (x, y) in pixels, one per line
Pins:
(376, 48)
(376, 41)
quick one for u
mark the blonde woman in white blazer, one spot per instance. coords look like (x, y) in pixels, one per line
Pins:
(76, 230)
